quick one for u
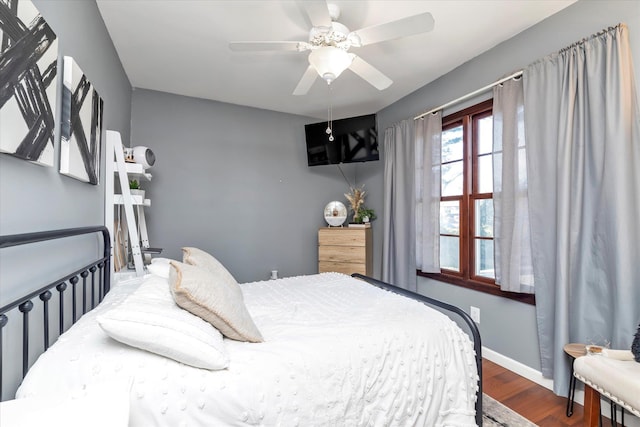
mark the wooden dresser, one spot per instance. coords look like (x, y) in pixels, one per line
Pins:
(345, 250)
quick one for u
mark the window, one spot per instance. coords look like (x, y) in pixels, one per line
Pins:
(466, 204)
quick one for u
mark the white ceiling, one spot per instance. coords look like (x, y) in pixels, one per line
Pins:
(181, 47)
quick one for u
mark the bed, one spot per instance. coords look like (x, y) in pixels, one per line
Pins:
(336, 350)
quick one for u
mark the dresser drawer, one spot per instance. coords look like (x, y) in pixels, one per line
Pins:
(348, 254)
(341, 267)
(343, 236)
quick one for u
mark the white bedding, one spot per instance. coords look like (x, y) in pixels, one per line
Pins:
(337, 352)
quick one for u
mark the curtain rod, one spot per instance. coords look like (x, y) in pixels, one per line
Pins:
(469, 95)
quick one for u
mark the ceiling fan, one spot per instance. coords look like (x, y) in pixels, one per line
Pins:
(330, 41)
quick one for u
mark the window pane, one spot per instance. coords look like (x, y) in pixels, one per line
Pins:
(485, 174)
(484, 218)
(452, 175)
(484, 258)
(450, 253)
(452, 144)
(450, 217)
(485, 133)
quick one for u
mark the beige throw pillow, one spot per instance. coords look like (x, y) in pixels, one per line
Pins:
(214, 299)
(200, 258)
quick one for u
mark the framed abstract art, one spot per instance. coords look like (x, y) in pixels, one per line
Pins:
(28, 82)
(81, 130)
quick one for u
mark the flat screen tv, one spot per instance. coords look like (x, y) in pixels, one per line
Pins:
(355, 140)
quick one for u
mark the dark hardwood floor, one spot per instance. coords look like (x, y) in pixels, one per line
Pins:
(527, 398)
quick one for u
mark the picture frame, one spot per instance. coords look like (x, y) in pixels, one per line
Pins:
(81, 127)
(28, 83)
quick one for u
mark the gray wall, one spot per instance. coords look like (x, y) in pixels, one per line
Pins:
(234, 181)
(34, 198)
(509, 327)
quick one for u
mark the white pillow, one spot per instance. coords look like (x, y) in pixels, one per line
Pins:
(214, 299)
(159, 267)
(149, 319)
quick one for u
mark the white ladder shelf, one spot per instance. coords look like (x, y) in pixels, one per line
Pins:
(137, 243)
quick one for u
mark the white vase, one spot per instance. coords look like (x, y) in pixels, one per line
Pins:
(137, 192)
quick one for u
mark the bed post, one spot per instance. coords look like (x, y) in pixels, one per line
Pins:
(106, 270)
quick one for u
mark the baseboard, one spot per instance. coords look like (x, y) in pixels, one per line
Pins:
(519, 368)
(536, 376)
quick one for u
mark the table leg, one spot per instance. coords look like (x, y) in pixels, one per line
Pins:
(572, 391)
(591, 407)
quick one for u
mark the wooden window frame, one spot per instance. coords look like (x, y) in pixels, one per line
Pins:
(467, 278)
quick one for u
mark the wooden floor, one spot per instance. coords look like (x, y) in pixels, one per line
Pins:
(534, 402)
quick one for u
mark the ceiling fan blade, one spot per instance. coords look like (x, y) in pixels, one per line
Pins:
(369, 73)
(318, 12)
(307, 80)
(267, 46)
(404, 27)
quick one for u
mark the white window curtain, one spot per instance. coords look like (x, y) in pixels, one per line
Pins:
(512, 233)
(428, 185)
(583, 151)
(398, 239)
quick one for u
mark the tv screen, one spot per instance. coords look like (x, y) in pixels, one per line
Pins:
(355, 140)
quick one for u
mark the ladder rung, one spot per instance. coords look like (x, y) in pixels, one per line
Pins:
(151, 250)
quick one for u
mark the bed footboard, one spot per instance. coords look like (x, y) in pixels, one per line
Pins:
(87, 286)
(477, 344)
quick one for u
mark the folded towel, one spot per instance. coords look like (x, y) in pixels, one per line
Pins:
(617, 354)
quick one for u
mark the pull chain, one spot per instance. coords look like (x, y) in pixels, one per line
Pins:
(329, 130)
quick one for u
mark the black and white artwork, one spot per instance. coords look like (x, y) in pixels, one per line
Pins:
(81, 130)
(28, 82)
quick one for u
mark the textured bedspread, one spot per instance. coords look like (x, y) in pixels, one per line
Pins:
(337, 352)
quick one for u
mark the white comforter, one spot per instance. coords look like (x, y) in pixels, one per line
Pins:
(337, 352)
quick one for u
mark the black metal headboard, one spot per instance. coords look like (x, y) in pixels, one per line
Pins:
(90, 283)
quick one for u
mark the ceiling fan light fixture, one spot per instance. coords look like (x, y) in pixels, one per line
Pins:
(329, 62)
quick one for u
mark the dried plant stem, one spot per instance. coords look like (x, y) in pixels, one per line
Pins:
(356, 199)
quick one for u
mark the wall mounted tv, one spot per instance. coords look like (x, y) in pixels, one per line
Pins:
(355, 140)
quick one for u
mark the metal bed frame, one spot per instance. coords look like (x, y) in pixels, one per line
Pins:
(25, 304)
(87, 273)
